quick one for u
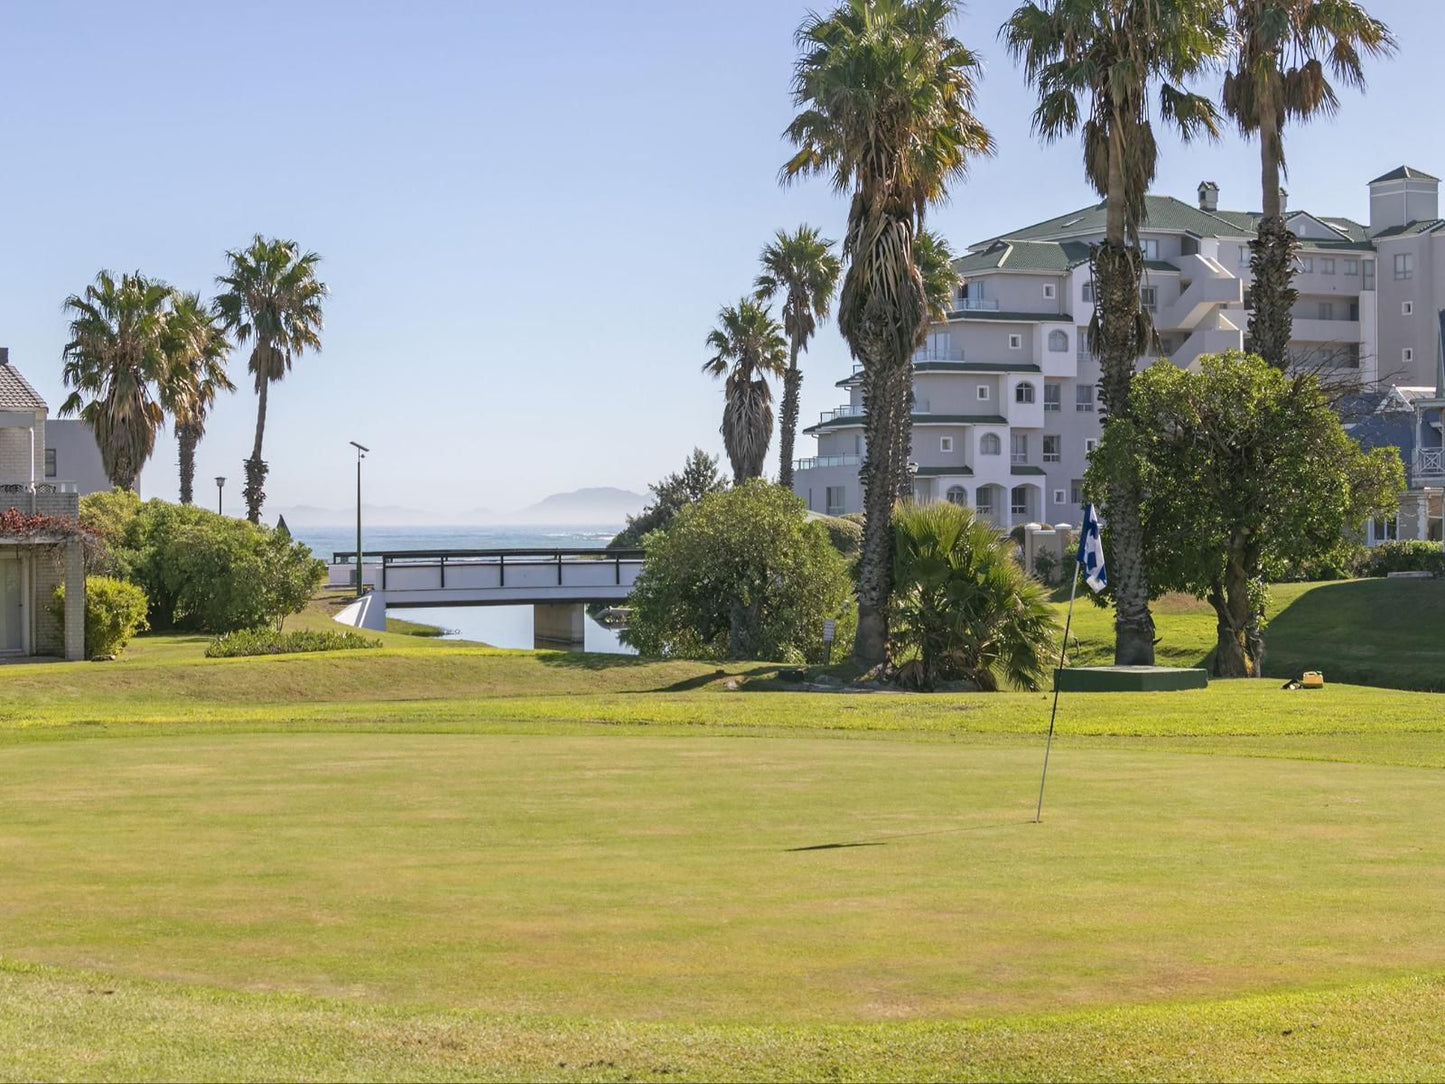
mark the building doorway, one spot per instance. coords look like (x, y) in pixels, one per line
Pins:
(12, 605)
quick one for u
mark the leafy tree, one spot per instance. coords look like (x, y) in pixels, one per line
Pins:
(741, 574)
(1276, 74)
(198, 350)
(696, 480)
(801, 266)
(1096, 64)
(962, 602)
(273, 298)
(1245, 471)
(748, 347)
(885, 95)
(119, 362)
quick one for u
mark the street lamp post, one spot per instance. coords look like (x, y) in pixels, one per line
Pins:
(361, 451)
(220, 488)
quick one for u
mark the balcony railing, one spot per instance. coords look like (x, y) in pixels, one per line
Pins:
(48, 485)
(928, 353)
(827, 461)
(1430, 461)
(975, 304)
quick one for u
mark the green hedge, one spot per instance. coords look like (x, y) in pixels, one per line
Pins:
(114, 612)
(1404, 557)
(267, 641)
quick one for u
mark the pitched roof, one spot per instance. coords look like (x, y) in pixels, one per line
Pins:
(1404, 173)
(1160, 213)
(1410, 229)
(16, 392)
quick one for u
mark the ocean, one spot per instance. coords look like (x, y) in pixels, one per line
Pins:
(500, 626)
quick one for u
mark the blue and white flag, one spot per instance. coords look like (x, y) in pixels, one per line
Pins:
(1091, 551)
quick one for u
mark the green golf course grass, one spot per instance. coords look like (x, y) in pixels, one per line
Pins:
(438, 861)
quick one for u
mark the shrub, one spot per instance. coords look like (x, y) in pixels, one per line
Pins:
(739, 574)
(1341, 563)
(270, 641)
(1412, 556)
(212, 573)
(114, 612)
(963, 604)
(845, 534)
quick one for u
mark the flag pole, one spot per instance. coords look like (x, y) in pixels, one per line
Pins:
(1063, 648)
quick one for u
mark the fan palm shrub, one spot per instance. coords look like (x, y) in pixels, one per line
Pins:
(272, 298)
(803, 268)
(119, 362)
(1097, 64)
(963, 604)
(1280, 51)
(748, 347)
(885, 94)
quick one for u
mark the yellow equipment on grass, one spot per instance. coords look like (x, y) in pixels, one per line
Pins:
(1312, 679)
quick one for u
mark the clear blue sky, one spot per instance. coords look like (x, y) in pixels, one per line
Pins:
(528, 215)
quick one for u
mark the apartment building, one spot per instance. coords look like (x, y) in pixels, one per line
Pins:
(1006, 390)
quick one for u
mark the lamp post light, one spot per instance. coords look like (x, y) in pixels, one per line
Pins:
(220, 488)
(361, 451)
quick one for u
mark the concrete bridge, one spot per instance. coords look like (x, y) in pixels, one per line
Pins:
(557, 583)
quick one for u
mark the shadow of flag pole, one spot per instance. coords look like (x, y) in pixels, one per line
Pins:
(1090, 560)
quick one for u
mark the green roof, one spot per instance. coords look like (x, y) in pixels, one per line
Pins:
(956, 367)
(934, 472)
(845, 421)
(1023, 468)
(1010, 317)
(1160, 213)
(1429, 225)
(1405, 173)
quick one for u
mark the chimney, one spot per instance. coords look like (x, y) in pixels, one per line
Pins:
(1208, 196)
(1283, 199)
(4, 355)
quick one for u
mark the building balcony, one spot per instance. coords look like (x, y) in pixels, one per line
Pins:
(1430, 463)
(1315, 330)
(49, 497)
(816, 461)
(1212, 286)
(974, 304)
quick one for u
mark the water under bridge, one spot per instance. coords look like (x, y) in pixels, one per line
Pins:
(557, 583)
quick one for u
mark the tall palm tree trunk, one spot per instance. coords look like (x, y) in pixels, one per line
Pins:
(1120, 334)
(792, 388)
(901, 404)
(875, 560)
(1272, 259)
(255, 488)
(187, 437)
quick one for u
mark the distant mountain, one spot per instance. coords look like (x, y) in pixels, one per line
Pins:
(595, 505)
(375, 515)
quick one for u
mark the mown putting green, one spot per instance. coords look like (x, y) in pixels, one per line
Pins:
(714, 879)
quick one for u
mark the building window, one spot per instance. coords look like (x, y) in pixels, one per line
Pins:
(50, 462)
(1076, 491)
(1407, 308)
(983, 501)
(1352, 267)
(1084, 398)
(1052, 449)
(1058, 341)
(1090, 443)
(1019, 501)
(983, 393)
(1305, 264)
(1404, 265)
(1048, 291)
(1024, 393)
(1058, 496)
(1327, 310)
(1053, 397)
(1384, 529)
(1019, 448)
(945, 444)
(990, 445)
(957, 495)
(1015, 342)
(1243, 262)
(1369, 271)
(1088, 294)
(1150, 247)
(836, 496)
(1149, 297)
(1327, 267)
(1408, 354)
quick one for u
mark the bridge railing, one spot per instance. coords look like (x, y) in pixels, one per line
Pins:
(431, 570)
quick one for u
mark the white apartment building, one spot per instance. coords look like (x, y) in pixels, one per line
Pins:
(1006, 391)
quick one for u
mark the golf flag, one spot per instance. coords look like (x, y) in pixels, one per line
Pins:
(1091, 551)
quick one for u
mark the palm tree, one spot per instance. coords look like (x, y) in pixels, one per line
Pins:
(964, 603)
(747, 346)
(885, 96)
(802, 266)
(934, 259)
(1276, 74)
(271, 296)
(1096, 64)
(118, 362)
(198, 352)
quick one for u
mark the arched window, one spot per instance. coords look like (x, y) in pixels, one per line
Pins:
(1024, 393)
(1058, 341)
(990, 445)
(957, 495)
